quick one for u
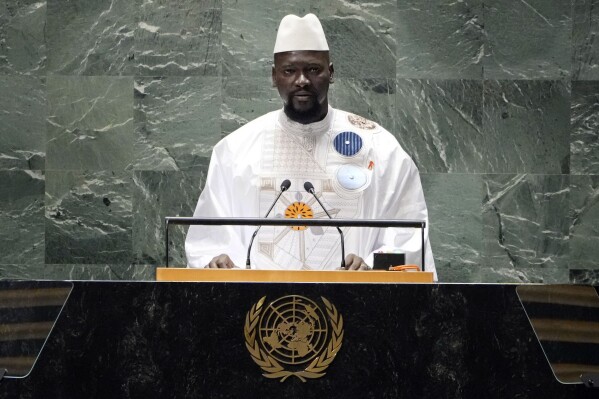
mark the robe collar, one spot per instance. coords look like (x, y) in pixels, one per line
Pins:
(310, 130)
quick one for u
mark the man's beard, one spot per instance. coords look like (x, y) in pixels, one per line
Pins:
(310, 115)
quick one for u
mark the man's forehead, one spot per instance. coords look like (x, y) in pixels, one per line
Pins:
(303, 56)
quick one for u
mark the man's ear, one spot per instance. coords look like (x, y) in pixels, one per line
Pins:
(331, 72)
(273, 78)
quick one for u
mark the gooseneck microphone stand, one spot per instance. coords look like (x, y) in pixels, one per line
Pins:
(310, 188)
(284, 187)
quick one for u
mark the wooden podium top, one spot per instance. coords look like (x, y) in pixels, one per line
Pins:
(290, 276)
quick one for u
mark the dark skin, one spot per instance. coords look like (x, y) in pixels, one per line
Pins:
(302, 79)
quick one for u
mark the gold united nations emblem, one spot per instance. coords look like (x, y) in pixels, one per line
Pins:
(292, 336)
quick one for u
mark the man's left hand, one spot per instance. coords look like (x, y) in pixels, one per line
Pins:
(354, 262)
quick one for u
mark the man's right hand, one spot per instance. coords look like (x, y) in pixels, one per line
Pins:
(221, 261)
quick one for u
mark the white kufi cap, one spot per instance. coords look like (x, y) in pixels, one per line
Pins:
(297, 34)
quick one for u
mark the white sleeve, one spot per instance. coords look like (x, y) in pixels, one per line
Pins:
(403, 198)
(205, 242)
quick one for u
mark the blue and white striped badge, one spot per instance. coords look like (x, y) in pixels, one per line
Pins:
(347, 143)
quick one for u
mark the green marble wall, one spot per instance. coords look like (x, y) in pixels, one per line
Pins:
(109, 111)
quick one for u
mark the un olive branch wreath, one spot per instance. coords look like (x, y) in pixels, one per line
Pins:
(271, 367)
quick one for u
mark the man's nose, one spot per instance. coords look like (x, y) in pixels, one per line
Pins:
(302, 80)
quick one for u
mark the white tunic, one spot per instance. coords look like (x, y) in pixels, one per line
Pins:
(358, 169)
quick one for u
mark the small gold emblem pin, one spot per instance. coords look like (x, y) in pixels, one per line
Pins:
(292, 336)
(360, 122)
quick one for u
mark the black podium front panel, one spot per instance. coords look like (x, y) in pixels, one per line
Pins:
(193, 340)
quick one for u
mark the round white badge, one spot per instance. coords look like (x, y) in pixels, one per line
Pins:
(351, 177)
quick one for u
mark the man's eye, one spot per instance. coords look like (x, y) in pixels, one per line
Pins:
(288, 71)
(314, 69)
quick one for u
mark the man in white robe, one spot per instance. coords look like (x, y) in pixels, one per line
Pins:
(357, 168)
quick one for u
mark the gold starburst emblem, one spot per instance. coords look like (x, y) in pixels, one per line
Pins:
(292, 336)
(299, 210)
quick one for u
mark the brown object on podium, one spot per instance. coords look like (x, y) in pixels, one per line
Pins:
(290, 276)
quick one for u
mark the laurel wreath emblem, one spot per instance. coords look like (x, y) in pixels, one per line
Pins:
(271, 367)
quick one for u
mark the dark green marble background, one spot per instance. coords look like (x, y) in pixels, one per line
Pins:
(109, 110)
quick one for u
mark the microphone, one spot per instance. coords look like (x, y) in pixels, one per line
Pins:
(284, 187)
(309, 187)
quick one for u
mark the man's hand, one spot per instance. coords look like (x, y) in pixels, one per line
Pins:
(354, 262)
(221, 261)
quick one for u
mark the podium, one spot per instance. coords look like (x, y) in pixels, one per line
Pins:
(198, 340)
(290, 276)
